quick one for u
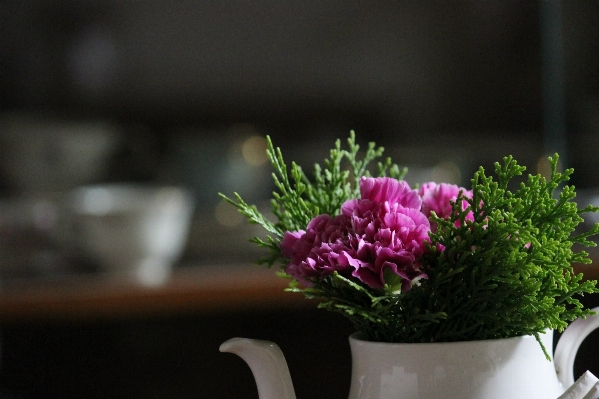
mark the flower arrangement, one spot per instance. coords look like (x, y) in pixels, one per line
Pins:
(431, 263)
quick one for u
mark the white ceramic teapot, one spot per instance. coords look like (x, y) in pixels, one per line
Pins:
(509, 368)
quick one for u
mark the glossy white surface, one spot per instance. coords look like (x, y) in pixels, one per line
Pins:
(567, 346)
(513, 368)
(267, 364)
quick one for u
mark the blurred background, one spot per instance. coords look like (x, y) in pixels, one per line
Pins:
(120, 121)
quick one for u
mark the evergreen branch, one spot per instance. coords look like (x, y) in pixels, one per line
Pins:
(298, 198)
(506, 272)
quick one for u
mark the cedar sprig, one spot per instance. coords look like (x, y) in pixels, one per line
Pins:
(299, 198)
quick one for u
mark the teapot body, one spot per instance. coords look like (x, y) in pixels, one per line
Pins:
(514, 368)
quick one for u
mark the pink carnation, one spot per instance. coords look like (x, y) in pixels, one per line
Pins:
(384, 230)
(389, 236)
(438, 198)
(319, 251)
(386, 189)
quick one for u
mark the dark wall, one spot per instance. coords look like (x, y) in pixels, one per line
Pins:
(402, 73)
(433, 66)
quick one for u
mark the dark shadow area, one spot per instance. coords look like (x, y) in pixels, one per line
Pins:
(172, 357)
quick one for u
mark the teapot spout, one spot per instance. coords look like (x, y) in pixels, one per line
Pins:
(268, 366)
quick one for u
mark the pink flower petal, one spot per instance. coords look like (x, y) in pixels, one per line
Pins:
(386, 189)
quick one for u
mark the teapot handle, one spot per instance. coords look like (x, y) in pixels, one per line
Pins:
(568, 344)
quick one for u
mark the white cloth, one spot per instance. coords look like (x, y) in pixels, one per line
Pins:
(586, 387)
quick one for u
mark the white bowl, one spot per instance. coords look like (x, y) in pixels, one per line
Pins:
(140, 231)
(39, 154)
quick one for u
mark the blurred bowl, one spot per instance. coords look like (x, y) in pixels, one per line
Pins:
(139, 231)
(40, 154)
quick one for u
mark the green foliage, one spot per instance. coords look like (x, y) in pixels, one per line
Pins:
(299, 199)
(507, 272)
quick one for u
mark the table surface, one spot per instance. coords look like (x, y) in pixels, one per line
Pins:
(197, 288)
(215, 288)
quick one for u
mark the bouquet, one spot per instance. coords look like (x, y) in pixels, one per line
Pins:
(431, 263)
